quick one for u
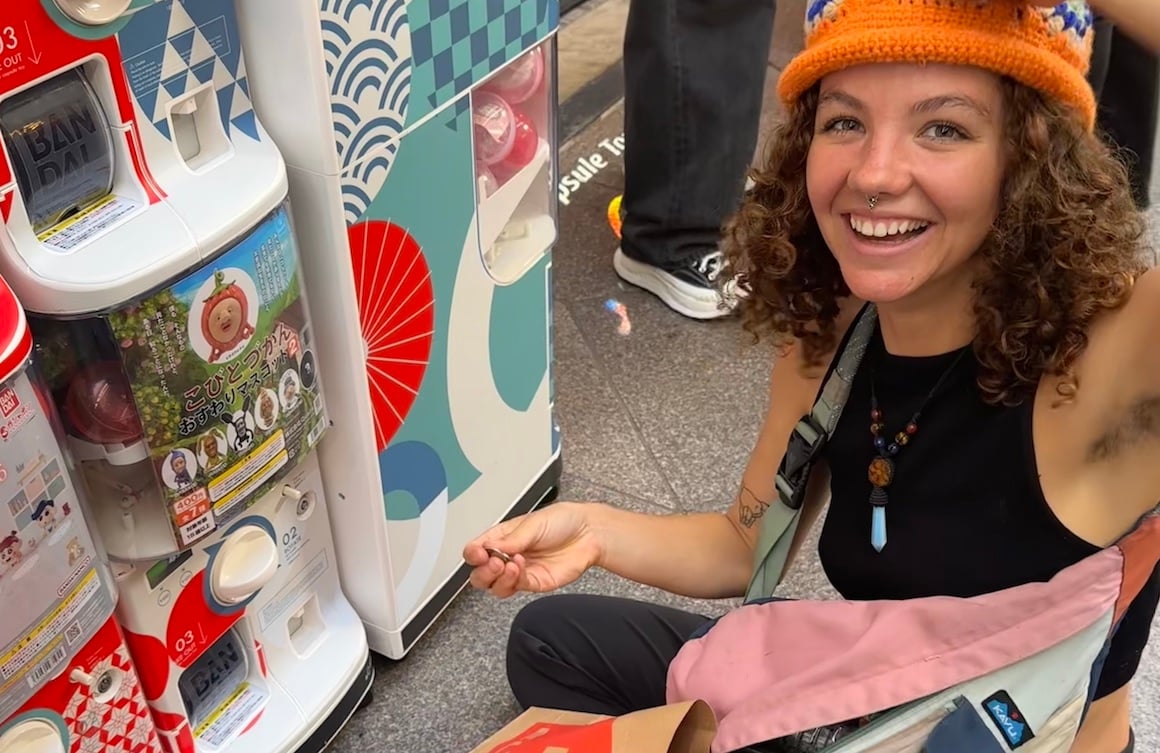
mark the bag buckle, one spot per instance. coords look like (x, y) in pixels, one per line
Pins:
(805, 444)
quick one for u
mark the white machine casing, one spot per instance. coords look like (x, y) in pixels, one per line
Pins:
(278, 646)
(196, 220)
(167, 212)
(97, 705)
(348, 82)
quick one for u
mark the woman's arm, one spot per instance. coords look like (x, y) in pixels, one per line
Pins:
(699, 555)
(1139, 19)
(710, 555)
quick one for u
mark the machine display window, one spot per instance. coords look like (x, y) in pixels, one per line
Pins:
(187, 404)
(514, 141)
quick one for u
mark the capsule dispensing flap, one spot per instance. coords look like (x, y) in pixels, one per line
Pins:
(15, 337)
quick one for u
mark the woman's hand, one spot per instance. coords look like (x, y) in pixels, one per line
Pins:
(548, 549)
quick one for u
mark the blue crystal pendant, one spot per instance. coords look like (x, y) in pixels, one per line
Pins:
(881, 474)
(878, 528)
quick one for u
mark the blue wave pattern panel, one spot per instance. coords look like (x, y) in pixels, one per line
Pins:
(172, 47)
(456, 43)
(367, 47)
(430, 192)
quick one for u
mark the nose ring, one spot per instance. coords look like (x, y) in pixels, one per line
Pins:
(872, 201)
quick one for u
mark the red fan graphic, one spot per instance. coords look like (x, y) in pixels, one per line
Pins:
(397, 314)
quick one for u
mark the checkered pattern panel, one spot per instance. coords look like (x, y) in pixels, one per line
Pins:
(122, 725)
(170, 48)
(455, 43)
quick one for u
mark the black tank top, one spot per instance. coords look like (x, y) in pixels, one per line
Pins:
(966, 514)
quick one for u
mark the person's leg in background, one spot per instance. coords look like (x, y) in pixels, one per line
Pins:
(1129, 97)
(1101, 55)
(694, 75)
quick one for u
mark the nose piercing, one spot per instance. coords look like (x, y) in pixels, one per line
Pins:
(872, 201)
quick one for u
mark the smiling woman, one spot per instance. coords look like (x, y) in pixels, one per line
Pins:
(937, 182)
(931, 161)
(1007, 198)
(974, 207)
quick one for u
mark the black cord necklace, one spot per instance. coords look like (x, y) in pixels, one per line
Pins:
(882, 468)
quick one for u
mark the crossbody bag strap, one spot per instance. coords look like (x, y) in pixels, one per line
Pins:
(809, 437)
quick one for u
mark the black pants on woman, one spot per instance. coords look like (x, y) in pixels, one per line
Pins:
(595, 654)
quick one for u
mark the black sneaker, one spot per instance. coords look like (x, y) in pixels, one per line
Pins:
(690, 289)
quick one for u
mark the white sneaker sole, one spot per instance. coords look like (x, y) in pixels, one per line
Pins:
(689, 300)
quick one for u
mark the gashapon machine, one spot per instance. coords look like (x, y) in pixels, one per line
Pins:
(420, 139)
(67, 684)
(146, 225)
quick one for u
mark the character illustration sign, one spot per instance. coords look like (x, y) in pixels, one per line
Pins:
(225, 315)
(216, 366)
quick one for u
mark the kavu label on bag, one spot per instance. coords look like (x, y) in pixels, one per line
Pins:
(1008, 719)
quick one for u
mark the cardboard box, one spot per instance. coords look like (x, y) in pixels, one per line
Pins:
(678, 728)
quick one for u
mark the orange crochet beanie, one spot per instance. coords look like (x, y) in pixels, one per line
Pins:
(1048, 49)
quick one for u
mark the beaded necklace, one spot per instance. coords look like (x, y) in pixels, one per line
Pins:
(882, 468)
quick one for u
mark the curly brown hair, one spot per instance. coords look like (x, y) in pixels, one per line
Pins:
(1067, 244)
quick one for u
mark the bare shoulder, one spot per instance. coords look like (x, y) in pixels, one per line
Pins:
(1143, 307)
(1122, 360)
(1099, 455)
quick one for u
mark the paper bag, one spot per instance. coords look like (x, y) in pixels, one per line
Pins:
(678, 728)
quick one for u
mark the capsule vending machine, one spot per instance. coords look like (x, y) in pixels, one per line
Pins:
(420, 139)
(148, 233)
(67, 684)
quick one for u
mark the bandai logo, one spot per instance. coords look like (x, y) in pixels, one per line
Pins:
(9, 401)
(1008, 719)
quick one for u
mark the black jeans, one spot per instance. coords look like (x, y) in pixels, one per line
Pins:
(1101, 55)
(597, 654)
(1126, 77)
(694, 76)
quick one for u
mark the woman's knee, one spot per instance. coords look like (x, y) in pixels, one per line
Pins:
(531, 645)
(540, 621)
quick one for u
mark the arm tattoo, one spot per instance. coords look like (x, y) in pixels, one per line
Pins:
(750, 507)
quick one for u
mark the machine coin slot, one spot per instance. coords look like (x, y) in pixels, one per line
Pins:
(197, 127)
(161, 570)
(303, 501)
(104, 687)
